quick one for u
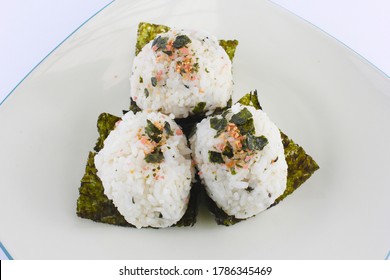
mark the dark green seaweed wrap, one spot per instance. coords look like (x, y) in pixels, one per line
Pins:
(93, 204)
(148, 31)
(300, 167)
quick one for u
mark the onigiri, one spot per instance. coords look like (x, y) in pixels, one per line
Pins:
(182, 72)
(240, 158)
(145, 168)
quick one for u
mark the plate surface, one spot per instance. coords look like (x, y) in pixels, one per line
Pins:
(324, 96)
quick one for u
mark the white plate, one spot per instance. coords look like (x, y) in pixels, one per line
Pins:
(324, 96)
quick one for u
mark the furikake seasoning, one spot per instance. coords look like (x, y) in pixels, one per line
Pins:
(239, 142)
(155, 137)
(176, 49)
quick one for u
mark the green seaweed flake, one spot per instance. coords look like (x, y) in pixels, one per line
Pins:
(160, 43)
(154, 81)
(256, 143)
(181, 41)
(215, 157)
(247, 128)
(241, 117)
(219, 124)
(168, 129)
(134, 107)
(146, 92)
(228, 151)
(153, 131)
(199, 108)
(154, 157)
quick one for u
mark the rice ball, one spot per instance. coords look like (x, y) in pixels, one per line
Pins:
(240, 158)
(145, 168)
(182, 72)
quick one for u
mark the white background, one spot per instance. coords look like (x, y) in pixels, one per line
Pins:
(285, 269)
(29, 30)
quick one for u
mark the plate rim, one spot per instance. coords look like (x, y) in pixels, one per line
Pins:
(361, 58)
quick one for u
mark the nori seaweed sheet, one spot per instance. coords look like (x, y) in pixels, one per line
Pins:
(148, 31)
(300, 168)
(93, 204)
(229, 46)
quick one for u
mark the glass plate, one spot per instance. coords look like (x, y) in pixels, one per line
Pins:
(324, 96)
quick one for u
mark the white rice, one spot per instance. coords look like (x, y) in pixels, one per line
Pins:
(261, 179)
(146, 194)
(178, 88)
